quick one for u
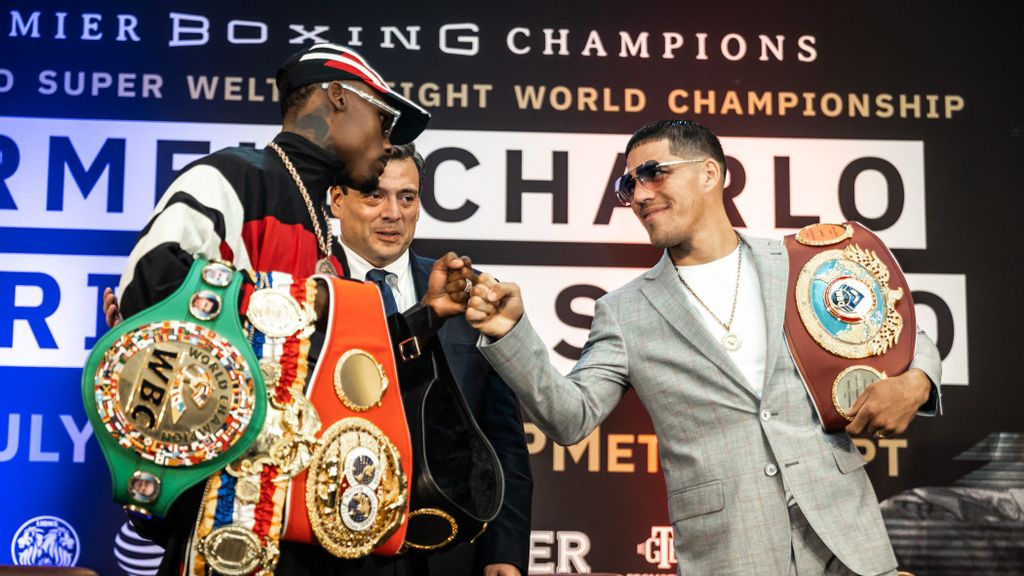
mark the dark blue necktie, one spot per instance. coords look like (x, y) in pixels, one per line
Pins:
(379, 277)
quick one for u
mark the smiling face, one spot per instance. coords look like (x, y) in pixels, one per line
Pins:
(357, 135)
(673, 205)
(380, 225)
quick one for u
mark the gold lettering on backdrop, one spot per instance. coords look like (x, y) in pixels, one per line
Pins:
(615, 99)
(810, 104)
(535, 439)
(623, 453)
(591, 446)
(632, 453)
(448, 95)
(579, 98)
(619, 448)
(892, 447)
(650, 441)
(231, 88)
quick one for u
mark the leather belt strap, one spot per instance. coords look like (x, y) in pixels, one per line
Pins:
(849, 315)
(356, 393)
(459, 485)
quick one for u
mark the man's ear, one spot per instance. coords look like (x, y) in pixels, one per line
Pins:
(337, 197)
(711, 174)
(337, 97)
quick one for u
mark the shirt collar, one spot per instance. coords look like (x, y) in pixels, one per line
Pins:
(359, 266)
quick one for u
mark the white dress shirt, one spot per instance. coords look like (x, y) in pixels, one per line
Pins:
(399, 277)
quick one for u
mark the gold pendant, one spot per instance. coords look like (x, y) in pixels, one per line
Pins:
(324, 266)
(731, 342)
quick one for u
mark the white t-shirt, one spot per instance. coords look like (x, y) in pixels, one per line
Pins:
(715, 283)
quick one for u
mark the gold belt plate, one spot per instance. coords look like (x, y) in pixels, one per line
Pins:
(356, 489)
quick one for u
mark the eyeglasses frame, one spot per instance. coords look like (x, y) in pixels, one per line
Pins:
(624, 196)
(395, 112)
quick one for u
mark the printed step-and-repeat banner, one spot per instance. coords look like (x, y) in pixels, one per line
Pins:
(907, 117)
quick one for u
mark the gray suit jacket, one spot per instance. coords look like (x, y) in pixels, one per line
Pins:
(727, 456)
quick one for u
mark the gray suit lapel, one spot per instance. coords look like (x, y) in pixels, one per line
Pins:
(665, 292)
(772, 264)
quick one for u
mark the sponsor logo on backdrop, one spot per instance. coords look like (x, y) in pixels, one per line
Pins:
(559, 551)
(136, 555)
(45, 541)
(658, 548)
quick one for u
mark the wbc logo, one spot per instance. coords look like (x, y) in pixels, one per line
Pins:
(658, 548)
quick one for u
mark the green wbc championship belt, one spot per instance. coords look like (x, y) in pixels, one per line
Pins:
(175, 393)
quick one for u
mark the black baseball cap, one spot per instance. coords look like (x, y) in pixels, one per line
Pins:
(326, 62)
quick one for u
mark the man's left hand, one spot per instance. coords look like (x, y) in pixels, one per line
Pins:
(886, 407)
(445, 280)
(501, 570)
(111, 312)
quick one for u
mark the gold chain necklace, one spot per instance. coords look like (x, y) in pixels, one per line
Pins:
(731, 341)
(323, 265)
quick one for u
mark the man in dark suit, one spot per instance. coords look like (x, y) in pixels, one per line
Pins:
(377, 228)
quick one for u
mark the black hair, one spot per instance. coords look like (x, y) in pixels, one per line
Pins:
(297, 99)
(403, 151)
(685, 138)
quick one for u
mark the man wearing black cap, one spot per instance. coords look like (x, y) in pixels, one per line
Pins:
(263, 210)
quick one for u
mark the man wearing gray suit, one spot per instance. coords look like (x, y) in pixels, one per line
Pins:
(754, 484)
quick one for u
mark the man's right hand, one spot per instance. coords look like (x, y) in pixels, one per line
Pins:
(446, 285)
(495, 307)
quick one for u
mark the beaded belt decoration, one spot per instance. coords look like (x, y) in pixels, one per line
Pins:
(328, 468)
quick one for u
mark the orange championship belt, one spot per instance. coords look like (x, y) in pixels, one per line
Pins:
(332, 464)
(353, 499)
(847, 304)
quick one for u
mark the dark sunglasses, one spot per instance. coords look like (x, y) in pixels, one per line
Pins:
(389, 115)
(645, 173)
